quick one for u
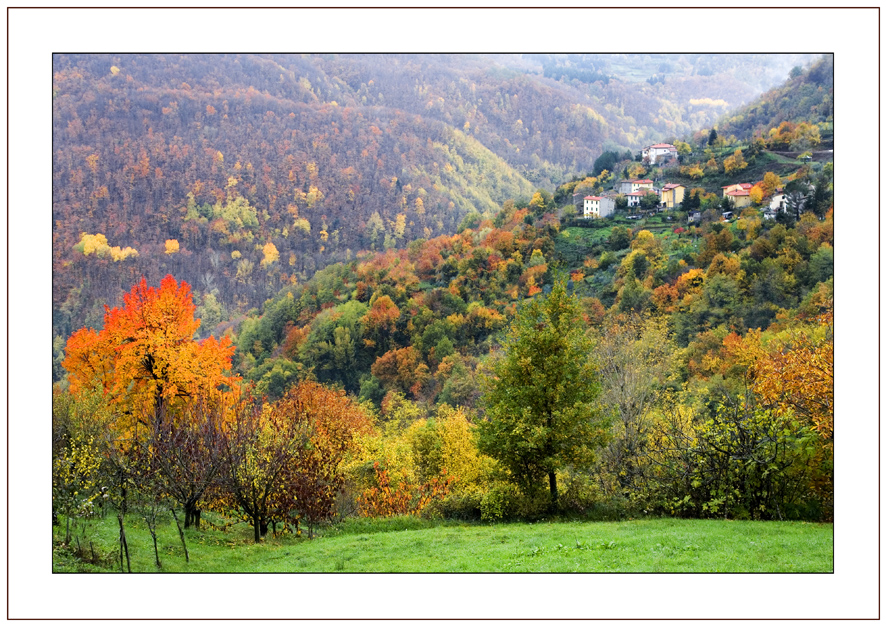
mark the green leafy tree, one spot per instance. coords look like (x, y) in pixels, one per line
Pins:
(619, 238)
(605, 161)
(539, 399)
(540, 202)
(649, 201)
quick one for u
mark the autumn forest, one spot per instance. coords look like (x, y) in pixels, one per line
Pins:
(295, 290)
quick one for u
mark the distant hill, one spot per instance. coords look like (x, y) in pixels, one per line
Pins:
(244, 173)
(807, 96)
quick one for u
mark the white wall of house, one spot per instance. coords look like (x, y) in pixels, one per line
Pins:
(598, 207)
(654, 153)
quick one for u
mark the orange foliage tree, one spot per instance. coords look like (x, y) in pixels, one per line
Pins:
(403, 498)
(402, 369)
(794, 373)
(145, 358)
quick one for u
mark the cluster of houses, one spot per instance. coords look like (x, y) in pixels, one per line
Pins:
(670, 196)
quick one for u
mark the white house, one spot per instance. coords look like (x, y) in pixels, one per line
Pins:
(658, 152)
(598, 206)
(776, 204)
(634, 197)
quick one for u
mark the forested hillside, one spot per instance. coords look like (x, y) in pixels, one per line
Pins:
(807, 97)
(338, 305)
(244, 173)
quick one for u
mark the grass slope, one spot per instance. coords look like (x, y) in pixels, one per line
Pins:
(412, 545)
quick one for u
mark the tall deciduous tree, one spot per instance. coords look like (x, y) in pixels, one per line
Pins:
(636, 362)
(539, 399)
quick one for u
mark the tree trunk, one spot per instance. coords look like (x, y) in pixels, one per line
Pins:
(123, 546)
(256, 527)
(192, 515)
(156, 552)
(552, 481)
(181, 534)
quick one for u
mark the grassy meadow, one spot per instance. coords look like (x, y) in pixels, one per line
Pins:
(409, 544)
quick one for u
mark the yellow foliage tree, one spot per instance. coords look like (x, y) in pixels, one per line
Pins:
(735, 163)
(271, 254)
(121, 254)
(171, 246)
(97, 244)
(771, 182)
(795, 371)
(636, 171)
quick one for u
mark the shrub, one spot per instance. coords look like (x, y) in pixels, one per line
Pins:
(499, 502)
(461, 505)
(580, 492)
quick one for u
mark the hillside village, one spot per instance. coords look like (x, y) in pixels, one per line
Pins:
(645, 197)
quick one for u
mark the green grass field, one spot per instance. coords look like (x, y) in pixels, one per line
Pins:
(414, 545)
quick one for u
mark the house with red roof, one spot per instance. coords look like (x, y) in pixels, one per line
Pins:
(634, 198)
(740, 197)
(736, 187)
(672, 195)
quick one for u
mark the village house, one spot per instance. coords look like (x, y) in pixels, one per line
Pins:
(736, 187)
(634, 198)
(740, 198)
(672, 195)
(598, 206)
(776, 204)
(640, 185)
(630, 186)
(659, 152)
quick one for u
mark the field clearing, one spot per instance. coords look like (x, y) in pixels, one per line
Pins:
(413, 545)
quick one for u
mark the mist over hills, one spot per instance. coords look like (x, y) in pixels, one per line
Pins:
(243, 173)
